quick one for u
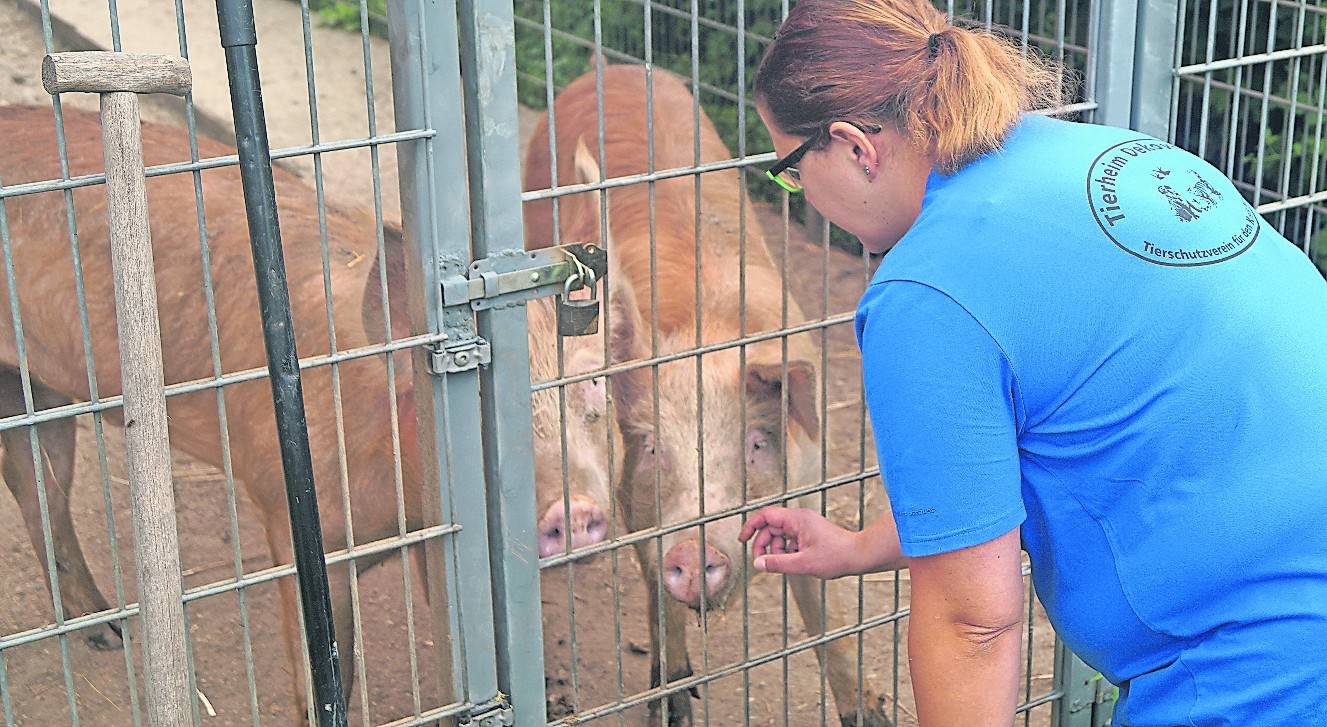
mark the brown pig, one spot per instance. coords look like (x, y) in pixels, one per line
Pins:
(45, 287)
(719, 435)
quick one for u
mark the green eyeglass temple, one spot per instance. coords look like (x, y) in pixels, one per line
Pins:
(779, 181)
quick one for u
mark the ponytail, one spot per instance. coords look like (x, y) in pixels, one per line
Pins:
(956, 92)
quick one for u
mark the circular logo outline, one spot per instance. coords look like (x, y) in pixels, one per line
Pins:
(1096, 215)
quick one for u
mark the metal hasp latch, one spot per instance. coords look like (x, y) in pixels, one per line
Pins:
(510, 279)
(496, 712)
(515, 277)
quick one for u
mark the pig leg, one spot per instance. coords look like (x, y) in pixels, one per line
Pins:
(837, 658)
(78, 591)
(338, 581)
(338, 584)
(674, 638)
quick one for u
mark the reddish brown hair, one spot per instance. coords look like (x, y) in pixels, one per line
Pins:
(874, 61)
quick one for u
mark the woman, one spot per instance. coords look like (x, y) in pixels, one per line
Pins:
(1083, 341)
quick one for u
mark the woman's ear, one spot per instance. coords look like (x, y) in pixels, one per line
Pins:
(864, 153)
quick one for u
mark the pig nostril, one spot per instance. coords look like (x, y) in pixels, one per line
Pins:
(555, 532)
(712, 568)
(676, 571)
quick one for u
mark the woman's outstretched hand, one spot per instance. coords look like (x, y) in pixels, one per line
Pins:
(798, 541)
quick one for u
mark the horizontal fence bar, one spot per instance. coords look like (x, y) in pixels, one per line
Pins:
(230, 160)
(433, 716)
(218, 382)
(1281, 202)
(750, 506)
(394, 542)
(703, 22)
(1291, 202)
(758, 38)
(1052, 696)
(657, 176)
(617, 55)
(750, 160)
(693, 352)
(1194, 79)
(1072, 108)
(1253, 60)
(754, 662)
(614, 54)
(684, 684)
(1297, 6)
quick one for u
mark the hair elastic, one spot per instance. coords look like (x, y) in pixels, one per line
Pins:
(933, 45)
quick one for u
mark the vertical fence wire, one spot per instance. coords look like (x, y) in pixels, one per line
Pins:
(375, 168)
(39, 468)
(355, 665)
(700, 303)
(742, 412)
(214, 348)
(1314, 166)
(6, 704)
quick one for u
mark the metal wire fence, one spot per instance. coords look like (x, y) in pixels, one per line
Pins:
(54, 244)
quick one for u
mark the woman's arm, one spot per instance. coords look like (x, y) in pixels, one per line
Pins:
(965, 634)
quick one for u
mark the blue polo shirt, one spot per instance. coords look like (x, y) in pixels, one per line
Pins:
(1090, 335)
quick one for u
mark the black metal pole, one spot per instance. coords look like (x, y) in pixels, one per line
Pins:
(239, 39)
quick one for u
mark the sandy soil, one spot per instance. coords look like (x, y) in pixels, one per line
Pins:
(595, 628)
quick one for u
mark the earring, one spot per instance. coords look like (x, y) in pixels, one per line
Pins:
(867, 170)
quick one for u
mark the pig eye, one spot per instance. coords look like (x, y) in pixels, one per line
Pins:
(757, 441)
(594, 412)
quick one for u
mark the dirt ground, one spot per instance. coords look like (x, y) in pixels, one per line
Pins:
(595, 628)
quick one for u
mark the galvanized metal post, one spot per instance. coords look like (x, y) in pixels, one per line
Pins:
(1112, 59)
(426, 89)
(1154, 66)
(493, 148)
(1083, 703)
(239, 39)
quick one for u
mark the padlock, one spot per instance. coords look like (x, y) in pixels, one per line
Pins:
(578, 317)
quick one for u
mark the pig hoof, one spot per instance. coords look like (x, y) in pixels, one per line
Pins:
(559, 707)
(874, 717)
(679, 705)
(105, 637)
(679, 712)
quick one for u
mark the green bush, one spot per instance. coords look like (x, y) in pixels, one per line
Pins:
(345, 14)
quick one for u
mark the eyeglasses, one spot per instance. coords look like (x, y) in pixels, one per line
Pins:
(784, 172)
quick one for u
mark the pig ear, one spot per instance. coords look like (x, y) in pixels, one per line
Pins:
(371, 307)
(587, 172)
(629, 334)
(406, 417)
(765, 381)
(585, 358)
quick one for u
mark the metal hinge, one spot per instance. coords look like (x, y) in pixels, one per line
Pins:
(518, 276)
(458, 357)
(494, 713)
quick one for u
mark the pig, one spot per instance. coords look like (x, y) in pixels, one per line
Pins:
(591, 435)
(747, 447)
(588, 429)
(44, 287)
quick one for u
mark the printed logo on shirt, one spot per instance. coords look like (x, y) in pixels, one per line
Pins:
(1159, 203)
